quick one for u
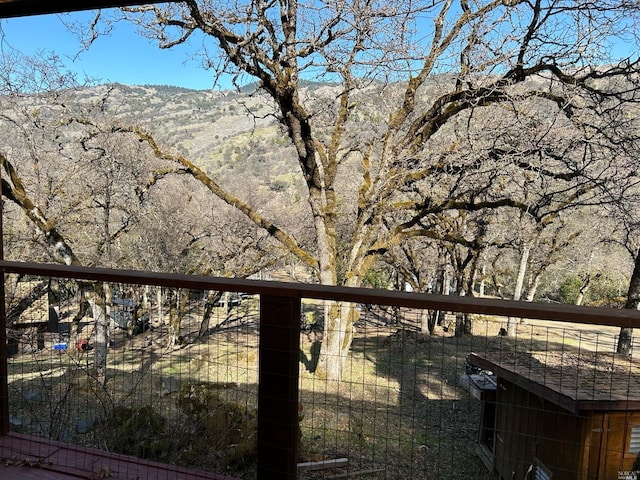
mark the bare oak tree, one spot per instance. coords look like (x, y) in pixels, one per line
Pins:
(548, 63)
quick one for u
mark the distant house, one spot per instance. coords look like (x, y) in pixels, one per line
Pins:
(568, 415)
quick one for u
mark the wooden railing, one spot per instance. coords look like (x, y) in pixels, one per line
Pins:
(279, 349)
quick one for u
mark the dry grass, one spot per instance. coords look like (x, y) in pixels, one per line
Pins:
(398, 413)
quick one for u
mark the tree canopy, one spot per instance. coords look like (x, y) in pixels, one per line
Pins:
(457, 114)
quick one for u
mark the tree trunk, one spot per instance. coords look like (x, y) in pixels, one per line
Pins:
(533, 287)
(625, 339)
(145, 300)
(517, 292)
(338, 316)
(463, 322)
(423, 316)
(174, 318)
(213, 297)
(428, 320)
(101, 338)
(583, 289)
(460, 324)
(160, 302)
(444, 282)
(433, 318)
(339, 319)
(483, 282)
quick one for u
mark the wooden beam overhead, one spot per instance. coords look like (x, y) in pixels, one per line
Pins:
(23, 8)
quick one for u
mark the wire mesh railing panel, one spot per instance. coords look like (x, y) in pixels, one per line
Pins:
(171, 378)
(171, 375)
(415, 404)
(398, 411)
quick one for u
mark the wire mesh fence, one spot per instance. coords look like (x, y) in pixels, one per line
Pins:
(180, 386)
(191, 401)
(420, 405)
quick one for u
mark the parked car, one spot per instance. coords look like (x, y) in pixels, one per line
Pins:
(229, 300)
(124, 316)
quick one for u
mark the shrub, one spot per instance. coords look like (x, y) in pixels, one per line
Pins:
(226, 428)
(139, 432)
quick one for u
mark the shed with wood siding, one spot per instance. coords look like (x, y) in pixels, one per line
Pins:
(567, 415)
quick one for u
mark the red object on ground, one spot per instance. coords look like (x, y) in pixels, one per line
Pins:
(82, 345)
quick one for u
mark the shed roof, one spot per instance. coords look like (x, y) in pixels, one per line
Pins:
(574, 380)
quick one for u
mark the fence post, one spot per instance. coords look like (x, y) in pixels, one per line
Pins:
(278, 387)
(4, 377)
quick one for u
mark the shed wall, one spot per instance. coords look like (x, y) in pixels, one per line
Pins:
(591, 445)
(529, 428)
(609, 446)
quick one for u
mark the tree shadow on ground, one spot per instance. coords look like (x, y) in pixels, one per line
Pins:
(426, 369)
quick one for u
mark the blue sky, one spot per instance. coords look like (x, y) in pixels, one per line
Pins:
(124, 57)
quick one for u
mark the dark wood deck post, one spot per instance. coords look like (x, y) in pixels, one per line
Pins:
(278, 387)
(4, 378)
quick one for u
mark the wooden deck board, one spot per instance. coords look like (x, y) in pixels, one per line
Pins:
(26, 457)
(576, 381)
(16, 472)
